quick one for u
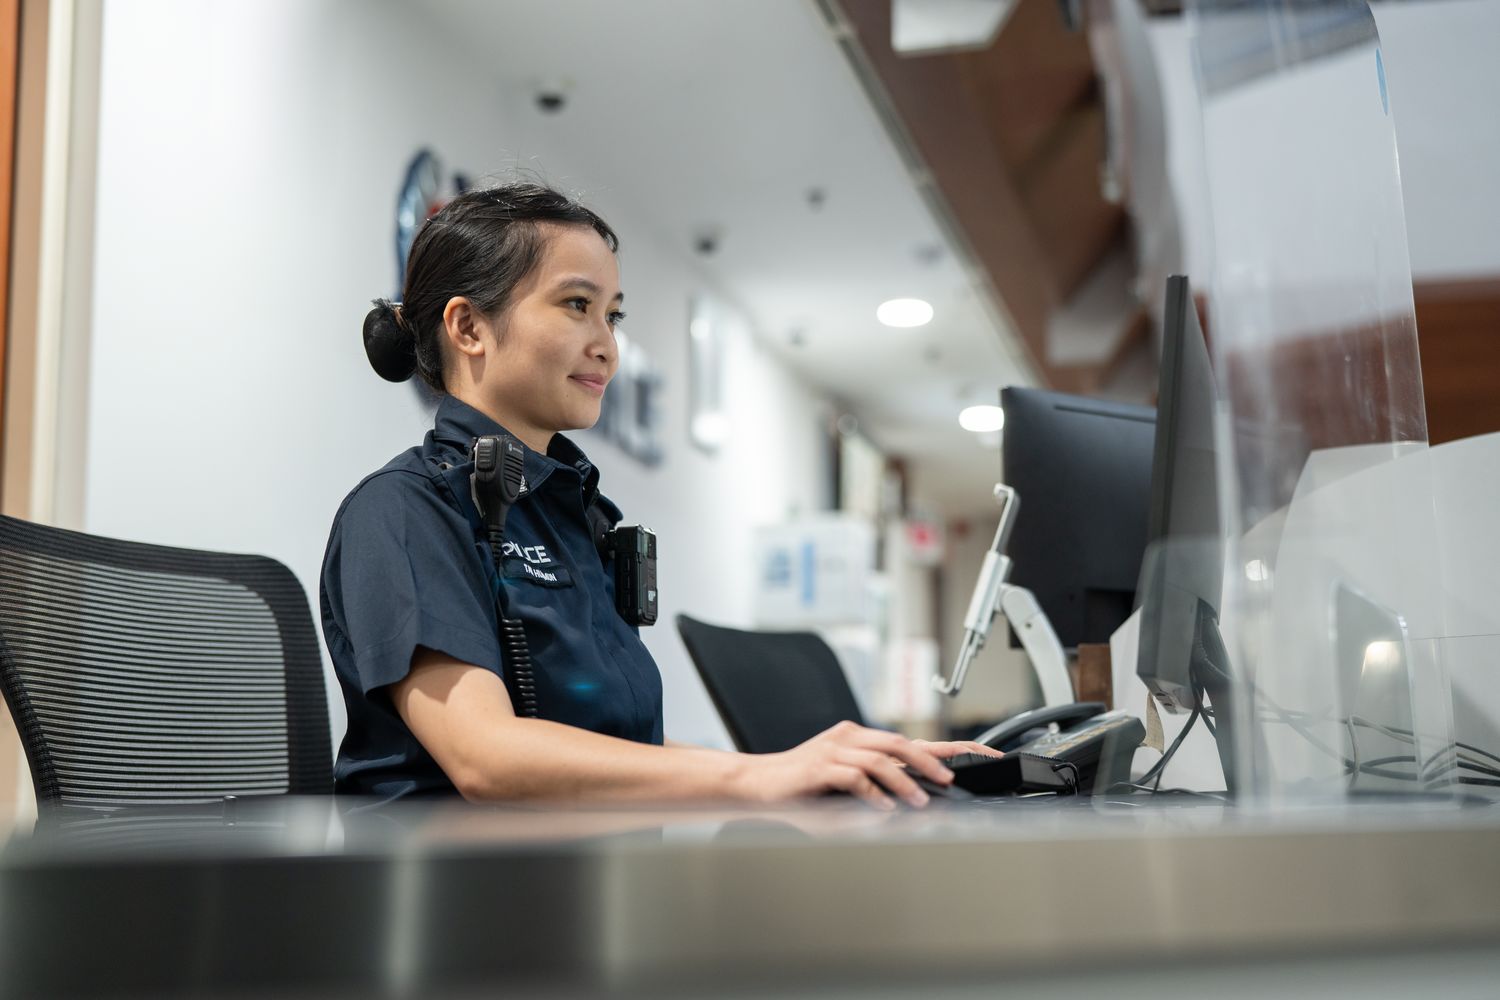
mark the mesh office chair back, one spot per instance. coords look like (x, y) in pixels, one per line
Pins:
(146, 674)
(772, 689)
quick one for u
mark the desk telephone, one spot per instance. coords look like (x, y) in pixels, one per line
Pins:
(1060, 748)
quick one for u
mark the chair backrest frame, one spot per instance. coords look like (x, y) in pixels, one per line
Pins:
(28, 552)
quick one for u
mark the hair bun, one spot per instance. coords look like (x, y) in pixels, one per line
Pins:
(391, 349)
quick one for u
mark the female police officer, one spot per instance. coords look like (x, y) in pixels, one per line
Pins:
(511, 300)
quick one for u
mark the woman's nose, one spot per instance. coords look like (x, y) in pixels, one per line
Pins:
(606, 349)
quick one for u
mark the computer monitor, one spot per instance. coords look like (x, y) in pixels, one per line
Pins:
(1082, 470)
(1181, 656)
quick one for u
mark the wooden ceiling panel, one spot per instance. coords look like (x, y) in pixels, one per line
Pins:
(1072, 221)
(1458, 328)
(1035, 72)
(1013, 138)
(943, 115)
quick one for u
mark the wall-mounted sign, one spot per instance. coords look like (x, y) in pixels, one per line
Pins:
(708, 422)
(630, 414)
(924, 541)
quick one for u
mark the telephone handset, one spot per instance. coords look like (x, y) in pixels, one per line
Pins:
(1027, 726)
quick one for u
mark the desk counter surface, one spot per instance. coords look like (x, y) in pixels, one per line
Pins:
(292, 894)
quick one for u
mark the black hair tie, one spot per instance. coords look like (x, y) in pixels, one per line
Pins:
(391, 348)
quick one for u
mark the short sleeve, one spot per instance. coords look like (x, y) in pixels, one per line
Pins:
(403, 570)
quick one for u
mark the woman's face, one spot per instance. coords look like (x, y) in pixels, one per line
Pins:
(552, 351)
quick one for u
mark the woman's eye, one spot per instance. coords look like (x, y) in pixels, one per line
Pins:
(616, 318)
(582, 305)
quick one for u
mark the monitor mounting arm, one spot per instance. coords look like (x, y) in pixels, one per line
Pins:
(991, 595)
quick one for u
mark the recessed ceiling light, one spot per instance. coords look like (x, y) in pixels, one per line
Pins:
(904, 312)
(981, 419)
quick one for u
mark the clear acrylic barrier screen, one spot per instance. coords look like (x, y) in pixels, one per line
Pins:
(1332, 606)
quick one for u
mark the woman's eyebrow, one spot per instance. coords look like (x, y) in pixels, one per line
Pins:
(586, 285)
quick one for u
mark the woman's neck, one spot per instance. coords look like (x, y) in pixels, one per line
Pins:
(535, 438)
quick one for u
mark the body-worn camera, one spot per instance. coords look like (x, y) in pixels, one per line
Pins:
(634, 549)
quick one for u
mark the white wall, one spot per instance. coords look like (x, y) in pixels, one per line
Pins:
(250, 154)
(1442, 78)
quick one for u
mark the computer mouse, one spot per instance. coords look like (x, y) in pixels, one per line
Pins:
(950, 792)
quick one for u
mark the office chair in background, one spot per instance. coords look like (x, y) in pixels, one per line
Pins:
(773, 690)
(144, 674)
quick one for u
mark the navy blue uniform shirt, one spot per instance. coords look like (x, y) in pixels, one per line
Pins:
(407, 565)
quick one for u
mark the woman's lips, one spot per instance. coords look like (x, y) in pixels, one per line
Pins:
(592, 383)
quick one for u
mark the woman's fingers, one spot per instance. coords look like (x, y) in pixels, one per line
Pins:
(884, 769)
(956, 747)
(914, 756)
(856, 782)
(862, 760)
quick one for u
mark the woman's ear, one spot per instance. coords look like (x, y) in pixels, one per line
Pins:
(461, 324)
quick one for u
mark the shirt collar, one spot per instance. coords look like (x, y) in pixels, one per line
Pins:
(457, 424)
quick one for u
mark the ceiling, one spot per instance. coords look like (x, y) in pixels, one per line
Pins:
(1027, 137)
(732, 112)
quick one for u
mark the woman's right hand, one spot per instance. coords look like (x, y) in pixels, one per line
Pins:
(848, 758)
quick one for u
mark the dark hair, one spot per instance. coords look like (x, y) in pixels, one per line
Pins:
(480, 246)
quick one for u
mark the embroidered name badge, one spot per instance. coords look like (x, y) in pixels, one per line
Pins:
(554, 575)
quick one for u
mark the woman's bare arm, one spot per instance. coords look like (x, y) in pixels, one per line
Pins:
(462, 715)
